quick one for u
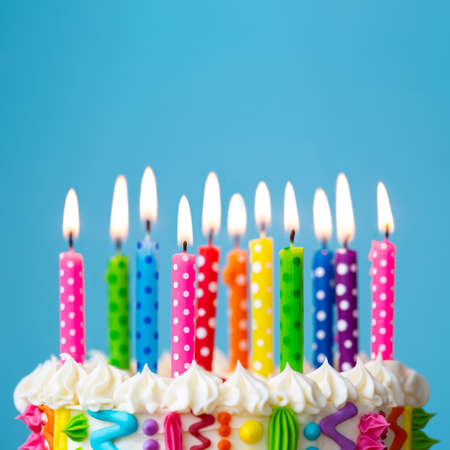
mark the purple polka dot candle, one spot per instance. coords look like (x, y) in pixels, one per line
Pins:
(346, 278)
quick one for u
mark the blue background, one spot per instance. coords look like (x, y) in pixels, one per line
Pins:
(255, 90)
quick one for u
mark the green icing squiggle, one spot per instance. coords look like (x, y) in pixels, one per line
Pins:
(420, 418)
(420, 441)
(283, 429)
(77, 428)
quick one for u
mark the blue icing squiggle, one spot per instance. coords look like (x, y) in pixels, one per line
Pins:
(125, 424)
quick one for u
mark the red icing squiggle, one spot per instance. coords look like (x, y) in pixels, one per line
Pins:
(194, 429)
(173, 432)
(400, 434)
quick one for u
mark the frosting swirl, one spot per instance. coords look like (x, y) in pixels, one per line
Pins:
(416, 388)
(366, 385)
(195, 390)
(142, 392)
(336, 389)
(297, 391)
(244, 393)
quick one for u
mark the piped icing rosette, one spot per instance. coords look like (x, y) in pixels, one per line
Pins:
(244, 393)
(142, 392)
(195, 390)
(416, 388)
(335, 388)
(296, 391)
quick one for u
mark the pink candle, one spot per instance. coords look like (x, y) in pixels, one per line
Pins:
(208, 274)
(382, 256)
(183, 296)
(71, 290)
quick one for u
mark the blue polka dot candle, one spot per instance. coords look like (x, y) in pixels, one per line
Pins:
(147, 280)
(323, 282)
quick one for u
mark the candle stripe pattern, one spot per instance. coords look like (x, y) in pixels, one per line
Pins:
(382, 256)
(147, 305)
(208, 273)
(291, 308)
(183, 312)
(235, 276)
(347, 307)
(71, 295)
(118, 312)
(324, 300)
(261, 260)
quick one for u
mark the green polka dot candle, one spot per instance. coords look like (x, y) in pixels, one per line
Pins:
(117, 280)
(291, 290)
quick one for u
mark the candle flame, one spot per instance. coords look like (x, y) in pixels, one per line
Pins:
(345, 220)
(71, 216)
(263, 214)
(237, 216)
(148, 199)
(323, 225)
(184, 222)
(119, 212)
(385, 218)
(291, 220)
(212, 209)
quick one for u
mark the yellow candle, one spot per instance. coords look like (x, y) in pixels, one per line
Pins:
(261, 288)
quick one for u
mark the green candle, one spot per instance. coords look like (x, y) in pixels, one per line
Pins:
(118, 312)
(291, 289)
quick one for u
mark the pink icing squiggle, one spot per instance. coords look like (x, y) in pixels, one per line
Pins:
(367, 443)
(194, 429)
(32, 418)
(373, 425)
(173, 432)
(35, 441)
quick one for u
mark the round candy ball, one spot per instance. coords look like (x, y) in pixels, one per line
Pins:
(312, 431)
(150, 427)
(151, 444)
(251, 432)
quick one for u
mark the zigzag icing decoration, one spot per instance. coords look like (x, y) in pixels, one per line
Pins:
(49, 426)
(194, 429)
(173, 432)
(32, 418)
(35, 441)
(328, 426)
(400, 435)
(125, 424)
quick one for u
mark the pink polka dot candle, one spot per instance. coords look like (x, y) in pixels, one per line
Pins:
(183, 296)
(382, 271)
(71, 286)
(208, 273)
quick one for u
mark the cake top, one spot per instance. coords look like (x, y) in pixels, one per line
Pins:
(97, 385)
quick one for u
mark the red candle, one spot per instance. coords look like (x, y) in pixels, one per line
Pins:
(183, 295)
(71, 286)
(208, 272)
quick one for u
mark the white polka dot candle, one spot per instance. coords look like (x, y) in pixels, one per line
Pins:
(382, 256)
(261, 260)
(346, 278)
(71, 287)
(323, 282)
(147, 279)
(208, 274)
(183, 296)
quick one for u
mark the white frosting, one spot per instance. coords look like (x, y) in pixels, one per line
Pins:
(368, 388)
(196, 390)
(142, 392)
(297, 391)
(336, 389)
(96, 389)
(383, 374)
(243, 392)
(60, 390)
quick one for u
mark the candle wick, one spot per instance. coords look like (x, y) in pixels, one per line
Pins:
(236, 241)
(71, 240)
(210, 238)
(292, 236)
(263, 230)
(118, 245)
(324, 243)
(148, 226)
(184, 246)
(386, 233)
(346, 242)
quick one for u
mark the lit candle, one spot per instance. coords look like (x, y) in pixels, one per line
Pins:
(291, 289)
(346, 278)
(147, 279)
(382, 256)
(71, 286)
(208, 272)
(323, 282)
(261, 260)
(235, 276)
(117, 279)
(183, 295)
